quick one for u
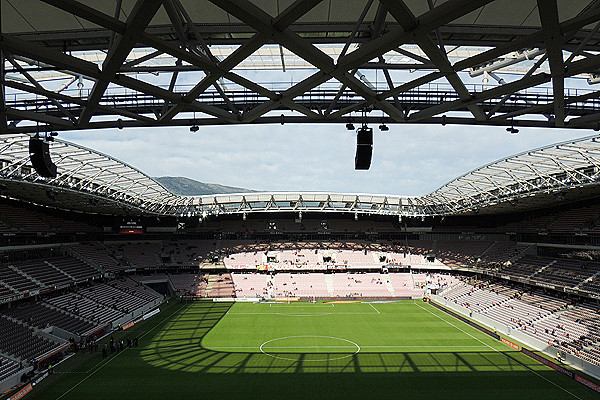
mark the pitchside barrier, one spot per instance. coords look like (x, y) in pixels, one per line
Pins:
(551, 351)
(13, 380)
(305, 298)
(132, 316)
(237, 300)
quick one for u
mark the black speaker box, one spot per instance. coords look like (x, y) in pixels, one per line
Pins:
(39, 154)
(364, 148)
(364, 136)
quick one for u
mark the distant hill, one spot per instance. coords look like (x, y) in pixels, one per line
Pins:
(189, 187)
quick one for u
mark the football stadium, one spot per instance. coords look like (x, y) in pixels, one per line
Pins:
(117, 284)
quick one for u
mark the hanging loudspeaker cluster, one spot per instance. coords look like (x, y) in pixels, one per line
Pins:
(364, 147)
(39, 154)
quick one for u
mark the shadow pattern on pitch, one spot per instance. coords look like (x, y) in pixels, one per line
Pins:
(177, 347)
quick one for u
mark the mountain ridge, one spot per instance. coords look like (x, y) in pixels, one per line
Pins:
(183, 186)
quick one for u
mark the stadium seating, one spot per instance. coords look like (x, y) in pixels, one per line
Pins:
(112, 297)
(85, 308)
(250, 285)
(7, 368)
(75, 268)
(315, 284)
(526, 266)
(43, 272)
(64, 225)
(566, 272)
(189, 284)
(403, 285)
(501, 252)
(359, 285)
(299, 285)
(456, 253)
(133, 288)
(22, 219)
(29, 277)
(21, 342)
(291, 256)
(5, 292)
(220, 285)
(97, 255)
(11, 278)
(574, 328)
(188, 252)
(40, 316)
(592, 285)
(139, 255)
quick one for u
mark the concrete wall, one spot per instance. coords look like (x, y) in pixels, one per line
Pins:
(137, 313)
(533, 343)
(46, 333)
(61, 333)
(13, 380)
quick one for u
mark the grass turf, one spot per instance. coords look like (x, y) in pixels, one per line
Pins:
(317, 351)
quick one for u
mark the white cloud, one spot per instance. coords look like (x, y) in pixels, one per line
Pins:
(407, 160)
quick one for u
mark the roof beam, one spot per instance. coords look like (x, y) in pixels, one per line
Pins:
(3, 120)
(74, 100)
(175, 15)
(282, 21)
(259, 20)
(440, 15)
(548, 10)
(406, 19)
(35, 83)
(137, 22)
(78, 66)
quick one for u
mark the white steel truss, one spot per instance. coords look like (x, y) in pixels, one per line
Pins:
(86, 180)
(94, 182)
(557, 168)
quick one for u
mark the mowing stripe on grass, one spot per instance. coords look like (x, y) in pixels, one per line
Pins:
(498, 351)
(101, 365)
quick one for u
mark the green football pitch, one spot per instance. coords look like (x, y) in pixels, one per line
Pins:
(405, 350)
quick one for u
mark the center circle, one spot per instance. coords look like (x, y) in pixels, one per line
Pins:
(303, 344)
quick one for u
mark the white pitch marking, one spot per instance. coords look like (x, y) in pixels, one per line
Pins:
(110, 359)
(498, 351)
(345, 347)
(302, 315)
(374, 308)
(310, 336)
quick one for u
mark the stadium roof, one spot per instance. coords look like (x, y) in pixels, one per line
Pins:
(560, 172)
(94, 182)
(82, 65)
(87, 180)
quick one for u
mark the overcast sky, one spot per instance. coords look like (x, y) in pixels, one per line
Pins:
(407, 160)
